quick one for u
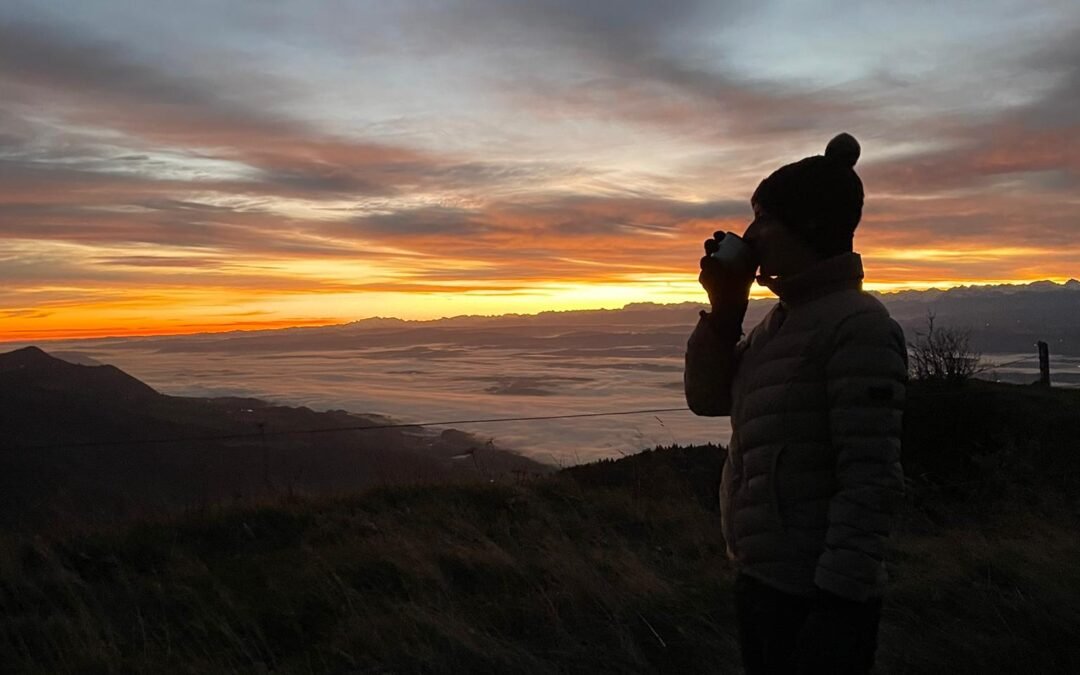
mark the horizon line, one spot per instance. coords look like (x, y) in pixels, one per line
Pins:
(331, 322)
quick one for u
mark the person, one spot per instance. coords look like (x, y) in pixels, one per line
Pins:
(815, 392)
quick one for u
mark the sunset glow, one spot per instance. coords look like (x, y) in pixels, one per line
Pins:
(168, 169)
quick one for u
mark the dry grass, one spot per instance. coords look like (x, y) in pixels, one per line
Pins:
(485, 578)
(553, 576)
(614, 567)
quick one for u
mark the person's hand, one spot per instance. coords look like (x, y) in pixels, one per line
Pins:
(728, 288)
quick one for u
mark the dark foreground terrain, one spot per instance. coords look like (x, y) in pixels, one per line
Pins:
(90, 444)
(609, 567)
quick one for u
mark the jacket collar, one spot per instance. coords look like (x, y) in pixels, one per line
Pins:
(840, 272)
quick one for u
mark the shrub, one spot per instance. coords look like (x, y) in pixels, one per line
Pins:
(942, 354)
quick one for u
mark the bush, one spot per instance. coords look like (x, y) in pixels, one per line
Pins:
(942, 354)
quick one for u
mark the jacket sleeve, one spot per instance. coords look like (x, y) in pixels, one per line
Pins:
(711, 359)
(866, 380)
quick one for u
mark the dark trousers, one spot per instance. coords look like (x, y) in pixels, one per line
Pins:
(781, 633)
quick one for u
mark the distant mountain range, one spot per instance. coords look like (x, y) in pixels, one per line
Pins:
(1002, 319)
(638, 310)
(84, 442)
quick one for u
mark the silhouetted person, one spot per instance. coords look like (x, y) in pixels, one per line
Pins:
(815, 394)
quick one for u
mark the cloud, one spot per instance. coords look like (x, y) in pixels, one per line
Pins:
(157, 261)
(497, 148)
(227, 118)
(564, 237)
(985, 156)
(648, 63)
(1039, 136)
(1060, 106)
(423, 222)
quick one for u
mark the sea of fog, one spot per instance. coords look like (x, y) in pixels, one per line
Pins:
(470, 383)
(420, 375)
(418, 381)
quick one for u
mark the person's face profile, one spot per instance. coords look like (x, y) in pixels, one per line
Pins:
(759, 232)
(778, 250)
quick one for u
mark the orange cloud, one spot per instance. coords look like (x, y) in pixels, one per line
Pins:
(133, 198)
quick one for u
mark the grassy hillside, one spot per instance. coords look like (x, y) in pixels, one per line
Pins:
(53, 476)
(611, 567)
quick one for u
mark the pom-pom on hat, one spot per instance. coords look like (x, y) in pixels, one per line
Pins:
(819, 197)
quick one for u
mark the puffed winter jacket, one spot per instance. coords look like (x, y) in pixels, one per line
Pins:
(815, 393)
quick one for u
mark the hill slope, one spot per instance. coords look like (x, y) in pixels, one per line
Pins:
(82, 442)
(614, 567)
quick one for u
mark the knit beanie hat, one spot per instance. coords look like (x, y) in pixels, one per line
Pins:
(820, 197)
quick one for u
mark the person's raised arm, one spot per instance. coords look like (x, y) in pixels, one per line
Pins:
(711, 354)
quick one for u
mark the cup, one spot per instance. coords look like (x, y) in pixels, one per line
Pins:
(733, 252)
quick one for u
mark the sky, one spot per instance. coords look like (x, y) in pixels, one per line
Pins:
(176, 167)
